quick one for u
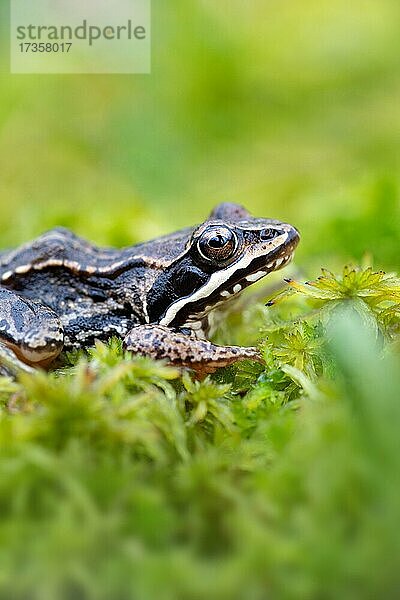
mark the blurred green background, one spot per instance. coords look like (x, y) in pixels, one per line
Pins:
(124, 486)
(289, 107)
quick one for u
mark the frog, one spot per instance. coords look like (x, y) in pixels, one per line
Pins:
(60, 292)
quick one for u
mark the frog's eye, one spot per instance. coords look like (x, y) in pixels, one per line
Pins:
(217, 243)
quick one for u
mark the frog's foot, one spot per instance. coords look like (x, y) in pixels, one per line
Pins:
(30, 333)
(159, 342)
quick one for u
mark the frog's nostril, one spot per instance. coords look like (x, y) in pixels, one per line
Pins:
(268, 234)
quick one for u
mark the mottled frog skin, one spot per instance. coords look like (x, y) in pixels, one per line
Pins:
(61, 292)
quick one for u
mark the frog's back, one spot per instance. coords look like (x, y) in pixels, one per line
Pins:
(62, 249)
(87, 286)
(58, 247)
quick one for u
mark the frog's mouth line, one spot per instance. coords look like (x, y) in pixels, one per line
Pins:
(194, 320)
(217, 297)
(274, 265)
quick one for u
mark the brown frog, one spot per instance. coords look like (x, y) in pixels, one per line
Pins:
(61, 292)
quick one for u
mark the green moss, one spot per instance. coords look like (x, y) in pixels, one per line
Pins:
(120, 478)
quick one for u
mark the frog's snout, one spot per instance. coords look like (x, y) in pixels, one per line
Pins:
(293, 236)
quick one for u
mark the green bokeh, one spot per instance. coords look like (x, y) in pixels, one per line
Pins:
(288, 107)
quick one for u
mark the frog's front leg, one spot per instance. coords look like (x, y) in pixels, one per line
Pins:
(30, 333)
(183, 350)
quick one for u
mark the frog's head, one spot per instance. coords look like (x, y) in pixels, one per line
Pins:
(224, 255)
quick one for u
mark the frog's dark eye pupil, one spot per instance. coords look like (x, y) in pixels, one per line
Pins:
(217, 243)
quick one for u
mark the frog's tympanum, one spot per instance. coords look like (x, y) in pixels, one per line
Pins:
(61, 292)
